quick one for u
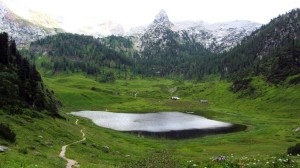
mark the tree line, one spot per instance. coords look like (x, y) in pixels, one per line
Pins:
(271, 52)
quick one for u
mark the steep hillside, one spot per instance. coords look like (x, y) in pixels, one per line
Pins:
(120, 44)
(21, 86)
(19, 29)
(272, 51)
(165, 52)
(79, 53)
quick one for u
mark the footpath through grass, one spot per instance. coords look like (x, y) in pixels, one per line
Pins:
(271, 115)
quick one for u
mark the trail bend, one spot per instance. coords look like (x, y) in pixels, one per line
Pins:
(70, 162)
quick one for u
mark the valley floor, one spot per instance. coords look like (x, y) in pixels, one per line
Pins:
(272, 114)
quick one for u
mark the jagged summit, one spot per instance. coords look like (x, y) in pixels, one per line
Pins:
(216, 37)
(162, 19)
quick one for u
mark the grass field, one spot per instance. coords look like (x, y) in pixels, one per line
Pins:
(271, 114)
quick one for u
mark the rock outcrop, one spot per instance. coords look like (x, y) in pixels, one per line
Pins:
(22, 31)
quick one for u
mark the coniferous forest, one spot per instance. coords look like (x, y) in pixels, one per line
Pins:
(271, 51)
(21, 85)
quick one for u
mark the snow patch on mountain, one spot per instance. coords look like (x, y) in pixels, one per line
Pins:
(217, 37)
(22, 31)
(102, 29)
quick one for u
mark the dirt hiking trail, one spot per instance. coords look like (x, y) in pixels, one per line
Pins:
(70, 162)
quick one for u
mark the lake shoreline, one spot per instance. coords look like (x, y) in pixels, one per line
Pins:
(169, 125)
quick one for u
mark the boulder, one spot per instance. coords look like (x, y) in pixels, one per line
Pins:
(3, 148)
(95, 145)
(105, 149)
(297, 129)
(220, 158)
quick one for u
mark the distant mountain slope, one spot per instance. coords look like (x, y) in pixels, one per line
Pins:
(79, 53)
(21, 86)
(19, 29)
(160, 52)
(272, 51)
(217, 38)
(164, 51)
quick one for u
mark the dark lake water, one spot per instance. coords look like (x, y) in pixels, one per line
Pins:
(172, 125)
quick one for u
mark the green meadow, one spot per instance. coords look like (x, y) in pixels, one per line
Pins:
(271, 114)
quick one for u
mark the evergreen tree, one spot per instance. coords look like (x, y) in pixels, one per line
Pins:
(21, 85)
(4, 57)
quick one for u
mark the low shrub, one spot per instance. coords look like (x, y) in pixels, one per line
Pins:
(239, 85)
(295, 81)
(294, 150)
(7, 133)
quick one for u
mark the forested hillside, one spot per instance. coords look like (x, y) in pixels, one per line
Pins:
(118, 57)
(272, 51)
(79, 53)
(21, 85)
(170, 53)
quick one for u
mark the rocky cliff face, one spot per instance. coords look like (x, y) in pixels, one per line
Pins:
(218, 37)
(280, 31)
(22, 31)
(159, 32)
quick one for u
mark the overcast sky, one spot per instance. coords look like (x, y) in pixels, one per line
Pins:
(131, 13)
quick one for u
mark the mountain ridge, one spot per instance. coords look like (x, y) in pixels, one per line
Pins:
(272, 51)
(163, 52)
(218, 37)
(22, 31)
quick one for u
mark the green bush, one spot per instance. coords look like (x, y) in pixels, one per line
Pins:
(294, 150)
(7, 133)
(23, 151)
(295, 81)
(108, 77)
(242, 84)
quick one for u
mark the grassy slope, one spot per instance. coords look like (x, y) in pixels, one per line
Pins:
(271, 118)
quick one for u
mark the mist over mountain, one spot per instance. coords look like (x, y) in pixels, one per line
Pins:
(34, 25)
(21, 30)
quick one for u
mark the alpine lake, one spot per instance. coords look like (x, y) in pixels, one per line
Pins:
(169, 125)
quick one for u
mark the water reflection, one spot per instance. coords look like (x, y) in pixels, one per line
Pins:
(173, 125)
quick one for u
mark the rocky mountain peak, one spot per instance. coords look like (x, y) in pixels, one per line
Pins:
(162, 19)
(22, 31)
(3, 10)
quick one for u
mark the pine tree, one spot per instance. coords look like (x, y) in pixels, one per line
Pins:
(4, 48)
